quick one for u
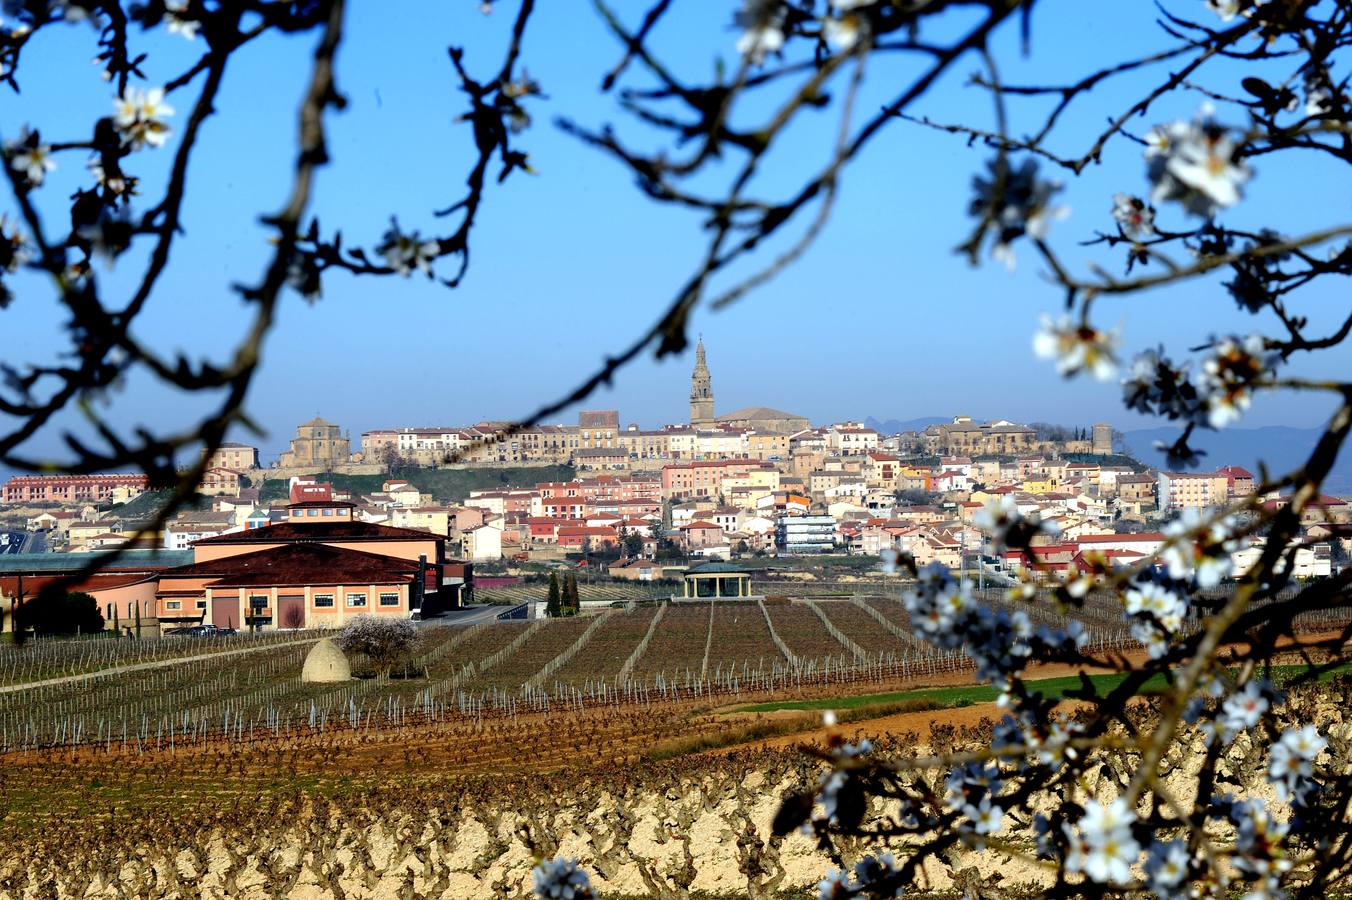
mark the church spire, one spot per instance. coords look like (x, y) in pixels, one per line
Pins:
(701, 390)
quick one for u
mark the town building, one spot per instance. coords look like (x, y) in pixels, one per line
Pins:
(963, 435)
(101, 488)
(1191, 490)
(804, 534)
(319, 444)
(765, 420)
(701, 390)
(1102, 444)
(235, 456)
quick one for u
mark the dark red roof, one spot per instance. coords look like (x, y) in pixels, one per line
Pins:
(299, 564)
(33, 584)
(319, 530)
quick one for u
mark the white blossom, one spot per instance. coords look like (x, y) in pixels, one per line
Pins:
(987, 817)
(845, 32)
(1196, 164)
(1226, 9)
(762, 24)
(30, 159)
(13, 247)
(1291, 760)
(176, 22)
(1166, 866)
(1014, 201)
(139, 115)
(1135, 216)
(835, 886)
(406, 252)
(561, 879)
(1199, 552)
(1077, 347)
(1244, 708)
(1225, 381)
(1104, 848)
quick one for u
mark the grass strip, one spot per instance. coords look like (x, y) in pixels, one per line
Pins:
(965, 695)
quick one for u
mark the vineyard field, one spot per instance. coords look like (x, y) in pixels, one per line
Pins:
(606, 652)
(678, 645)
(803, 632)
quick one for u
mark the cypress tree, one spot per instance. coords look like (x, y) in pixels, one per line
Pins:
(552, 608)
(137, 607)
(117, 633)
(570, 595)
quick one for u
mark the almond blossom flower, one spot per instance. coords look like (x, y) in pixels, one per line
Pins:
(845, 32)
(13, 248)
(1077, 347)
(29, 158)
(1103, 847)
(406, 252)
(1225, 382)
(1135, 217)
(1015, 202)
(1196, 164)
(1291, 763)
(1226, 9)
(1199, 552)
(762, 24)
(1207, 164)
(1167, 866)
(139, 115)
(561, 879)
(177, 22)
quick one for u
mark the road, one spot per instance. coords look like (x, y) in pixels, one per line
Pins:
(36, 542)
(473, 615)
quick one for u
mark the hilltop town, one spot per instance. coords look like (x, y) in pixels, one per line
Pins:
(646, 505)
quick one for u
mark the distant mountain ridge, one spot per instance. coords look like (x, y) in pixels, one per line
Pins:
(893, 426)
(1281, 447)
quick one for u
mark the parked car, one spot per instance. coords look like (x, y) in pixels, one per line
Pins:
(204, 630)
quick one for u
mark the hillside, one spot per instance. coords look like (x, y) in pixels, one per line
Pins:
(445, 485)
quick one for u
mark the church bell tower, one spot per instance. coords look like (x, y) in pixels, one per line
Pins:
(701, 390)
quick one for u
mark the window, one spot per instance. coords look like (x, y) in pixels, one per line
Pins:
(389, 599)
(173, 604)
(201, 604)
(356, 600)
(325, 600)
(328, 512)
(312, 512)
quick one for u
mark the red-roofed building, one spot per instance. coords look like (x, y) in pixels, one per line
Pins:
(699, 534)
(1238, 479)
(305, 489)
(575, 537)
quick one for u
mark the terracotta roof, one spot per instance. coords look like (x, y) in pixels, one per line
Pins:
(299, 564)
(319, 531)
(33, 584)
(1110, 538)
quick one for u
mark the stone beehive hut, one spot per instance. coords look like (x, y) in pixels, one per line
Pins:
(325, 664)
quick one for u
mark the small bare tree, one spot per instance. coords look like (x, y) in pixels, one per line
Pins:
(385, 642)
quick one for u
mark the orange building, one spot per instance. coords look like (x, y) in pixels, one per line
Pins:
(316, 569)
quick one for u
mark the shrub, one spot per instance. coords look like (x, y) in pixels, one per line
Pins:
(61, 613)
(384, 641)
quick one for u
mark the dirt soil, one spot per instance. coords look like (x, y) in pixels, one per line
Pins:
(963, 717)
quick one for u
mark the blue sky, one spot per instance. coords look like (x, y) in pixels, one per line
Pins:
(881, 318)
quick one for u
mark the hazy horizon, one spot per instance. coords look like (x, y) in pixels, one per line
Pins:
(879, 319)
